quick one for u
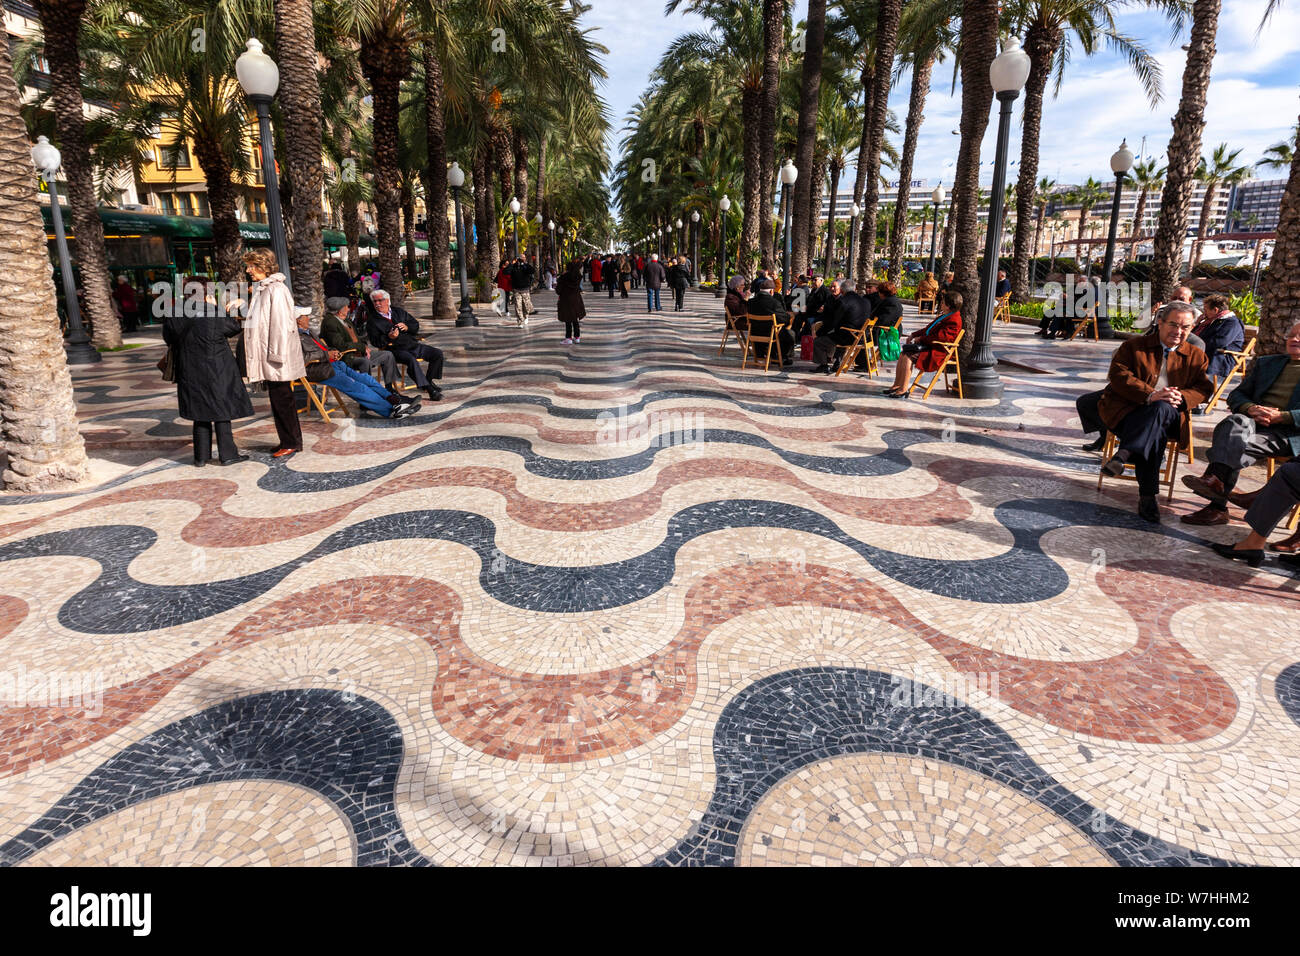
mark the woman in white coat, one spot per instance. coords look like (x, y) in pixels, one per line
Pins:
(271, 350)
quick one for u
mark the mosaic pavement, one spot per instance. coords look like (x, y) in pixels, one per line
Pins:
(621, 603)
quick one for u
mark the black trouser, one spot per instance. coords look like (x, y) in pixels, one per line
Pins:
(284, 410)
(411, 359)
(1275, 499)
(226, 449)
(609, 284)
(1143, 433)
(624, 280)
(679, 296)
(1089, 420)
(571, 330)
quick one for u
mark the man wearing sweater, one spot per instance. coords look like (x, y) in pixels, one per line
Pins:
(1265, 423)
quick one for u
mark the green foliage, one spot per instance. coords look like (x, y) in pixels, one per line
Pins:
(1032, 310)
(1246, 308)
(1204, 271)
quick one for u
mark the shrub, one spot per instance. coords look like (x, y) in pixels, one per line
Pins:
(1246, 307)
(1032, 310)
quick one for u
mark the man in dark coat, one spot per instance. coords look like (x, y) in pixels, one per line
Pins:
(1220, 330)
(337, 283)
(569, 307)
(654, 280)
(765, 303)
(339, 335)
(209, 387)
(325, 365)
(850, 314)
(392, 327)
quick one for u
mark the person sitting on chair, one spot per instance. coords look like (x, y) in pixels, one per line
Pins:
(735, 301)
(927, 288)
(845, 316)
(1153, 380)
(1265, 423)
(1275, 499)
(765, 303)
(1220, 329)
(340, 336)
(1004, 284)
(393, 328)
(924, 347)
(324, 365)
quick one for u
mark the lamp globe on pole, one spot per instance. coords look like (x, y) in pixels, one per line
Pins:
(789, 173)
(465, 315)
(1007, 75)
(854, 211)
(1121, 161)
(260, 78)
(47, 159)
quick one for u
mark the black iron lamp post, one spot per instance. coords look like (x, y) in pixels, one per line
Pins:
(938, 196)
(260, 78)
(514, 223)
(695, 262)
(465, 316)
(47, 160)
(724, 204)
(788, 176)
(678, 239)
(854, 211)
(1121, 161)
(1007, 73)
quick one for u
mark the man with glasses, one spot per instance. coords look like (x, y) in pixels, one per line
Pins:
(392, 327)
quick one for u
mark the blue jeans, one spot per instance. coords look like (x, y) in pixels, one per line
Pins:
(362, 389)
(651, 299)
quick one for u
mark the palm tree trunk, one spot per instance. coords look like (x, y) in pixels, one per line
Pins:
(301, 119)
(61, 21)
(488, 254)
(979, 38)
(1184, 150)
(386, 62)
(1038, 236)
(868, 81)
(1083, 225)
(1280, 285)
(805, 213)
(223, 202)
(773, 43)
(1041, 44)
(1138, 212)
(539, 188)
(520, 147)
(436, 178)
(752, 109)
(915, 117)
(408, 227)
(818, 184)
(949, 231)
(40, 446)
(830, 222)
(1203, 227)
(887, 19)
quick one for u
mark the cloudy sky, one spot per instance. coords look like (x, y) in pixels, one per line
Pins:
(1253, 102)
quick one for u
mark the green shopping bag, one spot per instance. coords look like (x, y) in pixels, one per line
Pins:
(889, 346)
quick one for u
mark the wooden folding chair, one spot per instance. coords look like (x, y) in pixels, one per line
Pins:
(770, 339)
(1240, 361)
(1089, 319)
(320, 401)
(949, 362)
(1293, 521)
(1169, 473)
(862, 340)
(730, 331)
(926, 300)
(1003, 310)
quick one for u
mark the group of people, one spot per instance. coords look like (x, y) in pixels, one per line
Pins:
(357, 351)
(1158, 380)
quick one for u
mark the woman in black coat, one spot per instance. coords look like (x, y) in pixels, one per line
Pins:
(569, 304)
(678, 278)
(209, 389)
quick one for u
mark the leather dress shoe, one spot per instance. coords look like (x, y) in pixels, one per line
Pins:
(1148, 510)
(1243, 499)
(1209, 515)
(1207, 486)
(200, 464)
(1252, 557)
(282, 452)
(1289, 560)
(1114, 466)
(234, 461)
(1097, 445)
(1289, 545)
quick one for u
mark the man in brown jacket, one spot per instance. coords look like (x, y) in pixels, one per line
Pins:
(1153, 380)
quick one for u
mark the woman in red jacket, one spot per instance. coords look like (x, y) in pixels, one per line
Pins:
(921, 348)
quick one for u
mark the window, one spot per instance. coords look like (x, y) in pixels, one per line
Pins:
(168, 203)
(174, 157)
(204, 210)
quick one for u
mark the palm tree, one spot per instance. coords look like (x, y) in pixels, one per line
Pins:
(1184, 150)
(1146, 176)
(1042, 197)
(839, 124)
(301, 122)
(1220, 168)
(38, 420)
(1085, 197)
(61, 25)
(1279, 155)
(1050, 28)
(1280, 285)
(809, 109)
(775, 16)
(888, 15)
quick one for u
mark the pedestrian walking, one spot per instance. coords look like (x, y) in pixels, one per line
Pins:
(271, 350)
(569, 305)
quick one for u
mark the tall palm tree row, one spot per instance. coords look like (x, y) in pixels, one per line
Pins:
(805, 212)
(1086, 195)
(39, 439)
(1220, 169)
(1146, 177)
(888, 15)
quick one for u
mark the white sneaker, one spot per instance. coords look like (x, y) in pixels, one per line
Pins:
(577, 340)
(567, 342)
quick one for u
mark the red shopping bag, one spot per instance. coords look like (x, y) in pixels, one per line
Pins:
(805, 348)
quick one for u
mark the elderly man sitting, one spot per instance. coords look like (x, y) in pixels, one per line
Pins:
(1153, 380)
(1265, 423)
(393, 328)
(325, 365)
(1278, 497)
(340, 336)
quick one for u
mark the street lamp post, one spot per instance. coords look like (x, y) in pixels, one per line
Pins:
(1121, 161)
(788, 175)
(260, 78)
(724, 204)
(514, 223)
(695, 261)
(465, 315)
(47, 160)
(1007, 74)
(555, 253)
(678, 239)
(938, 196)
(854, 211)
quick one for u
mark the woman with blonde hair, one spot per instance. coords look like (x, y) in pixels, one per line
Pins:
(271, 350)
